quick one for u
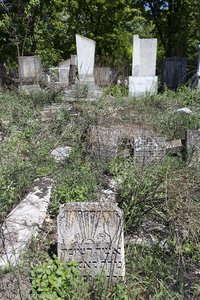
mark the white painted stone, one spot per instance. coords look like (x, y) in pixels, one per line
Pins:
(143, 79)
(91, 233)
(61, 152)
(139, 86)
(86, 55)
(64, 69)
(184, 110)
(24, 222)
(144, 57)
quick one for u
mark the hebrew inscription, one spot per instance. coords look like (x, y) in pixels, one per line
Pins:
(92, 234)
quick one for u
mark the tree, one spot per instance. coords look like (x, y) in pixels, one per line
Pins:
(176, 24)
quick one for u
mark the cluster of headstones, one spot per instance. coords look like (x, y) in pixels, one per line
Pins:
(142, 81)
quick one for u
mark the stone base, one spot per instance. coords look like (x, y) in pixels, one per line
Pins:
(140, 86)
(27, 88)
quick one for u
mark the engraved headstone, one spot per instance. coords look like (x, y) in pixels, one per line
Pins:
(193, 145)
(174, 72)
(148, 149)
(143, 79)
(91, 233)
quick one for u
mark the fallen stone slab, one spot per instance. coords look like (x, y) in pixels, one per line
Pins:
(61, 152)
(24, 222)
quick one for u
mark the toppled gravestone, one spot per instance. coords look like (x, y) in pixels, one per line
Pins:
(91, 233)
(193, 145)
(24, 221)
(149, 149)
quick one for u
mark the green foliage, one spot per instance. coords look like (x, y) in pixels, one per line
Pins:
(76, 182)
(57, 280)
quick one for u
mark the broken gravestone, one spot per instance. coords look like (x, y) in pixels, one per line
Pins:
(149, 149)
(193, 145)
(91, 233)
(24, 221)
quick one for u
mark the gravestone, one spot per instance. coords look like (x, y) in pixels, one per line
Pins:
(24, 222)
(143, 79)
(64, 70)
(149, 149)
(193, 145)
(86, 56)
(73, 69)
(198, 67)
(103, 76)
(91, 233)
(30, 69)
(174, 72)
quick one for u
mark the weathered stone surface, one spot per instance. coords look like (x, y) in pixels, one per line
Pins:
(104, 76)
(91, 233)
(143, 77)
(140, 86)
(148, 149)
(103, 142)
(193, 145)
(30, 69)
(64, 70)
(24, 221)
(107, 142)
(61, 152)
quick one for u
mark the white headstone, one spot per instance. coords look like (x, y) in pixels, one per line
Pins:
(86, 55)
(143, 79)
(64, 69)
(91, 233)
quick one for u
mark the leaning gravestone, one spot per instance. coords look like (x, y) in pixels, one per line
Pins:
(143, 79)
(86, 56)
(193, 145)
(91, 233)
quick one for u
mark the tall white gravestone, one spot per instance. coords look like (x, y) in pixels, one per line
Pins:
(86, 55)
(91, 233)
(143, 79)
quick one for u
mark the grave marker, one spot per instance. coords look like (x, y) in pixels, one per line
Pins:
(148, 149)
(143, 79)
(91, 233)
(193, 145)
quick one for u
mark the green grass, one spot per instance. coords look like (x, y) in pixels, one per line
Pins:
(166, 193)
